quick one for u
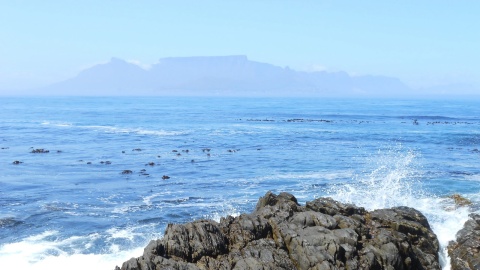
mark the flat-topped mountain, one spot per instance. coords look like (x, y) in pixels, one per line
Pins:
(220, 76)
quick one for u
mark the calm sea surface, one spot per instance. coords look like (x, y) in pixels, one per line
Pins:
(77, 204)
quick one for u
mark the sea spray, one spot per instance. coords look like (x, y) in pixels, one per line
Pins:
(393, 178)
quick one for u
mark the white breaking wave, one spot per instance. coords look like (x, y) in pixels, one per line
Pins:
(57, 124)
(394, 181)
(113, 129)
(224, 211)
(47, 251)
(139, 131)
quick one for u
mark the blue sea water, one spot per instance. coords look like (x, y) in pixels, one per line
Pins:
(73, 206)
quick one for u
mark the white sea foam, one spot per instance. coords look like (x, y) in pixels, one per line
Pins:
(57, 124)
(330, 176)
(139, 131)
(473, 177)
(129, 209)
(224, 211)
(147, 200)
(113, 129)
(394, 181)
(66, 261)
(47, 251)
(127, 233)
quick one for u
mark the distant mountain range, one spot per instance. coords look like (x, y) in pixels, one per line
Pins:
(220, 76)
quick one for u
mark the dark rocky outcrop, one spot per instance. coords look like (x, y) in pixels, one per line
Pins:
(465, 251)
(40, 151)
(281, 234)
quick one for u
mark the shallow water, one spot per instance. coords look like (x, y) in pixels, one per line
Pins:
(67, 207)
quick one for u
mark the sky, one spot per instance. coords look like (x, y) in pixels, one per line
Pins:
(423, 43)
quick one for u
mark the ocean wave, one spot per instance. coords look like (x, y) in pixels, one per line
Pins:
(131, 208)
(49, 251)
(114, 129)
(57, 124)
(394, 181)
(331, 176)
(223, 211)
(128, 233)
(139, 131)
(60, 206)
(427, 117)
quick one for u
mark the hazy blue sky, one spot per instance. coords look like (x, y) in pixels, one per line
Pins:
(421, 42)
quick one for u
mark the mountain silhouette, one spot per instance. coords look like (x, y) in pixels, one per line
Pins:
(220, 76)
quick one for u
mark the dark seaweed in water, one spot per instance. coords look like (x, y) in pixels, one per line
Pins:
(9, 222)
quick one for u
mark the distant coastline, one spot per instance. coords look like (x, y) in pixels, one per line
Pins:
(227, 76)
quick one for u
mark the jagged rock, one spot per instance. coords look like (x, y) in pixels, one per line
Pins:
(465, 251)
(281, 234)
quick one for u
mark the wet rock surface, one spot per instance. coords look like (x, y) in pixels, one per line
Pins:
(464, 252)
(281, 234)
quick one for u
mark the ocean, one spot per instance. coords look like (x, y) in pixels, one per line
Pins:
(114, 171)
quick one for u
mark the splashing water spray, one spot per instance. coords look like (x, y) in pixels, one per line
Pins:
(395, 179)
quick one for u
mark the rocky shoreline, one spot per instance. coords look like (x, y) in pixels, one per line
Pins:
(465, 250)
(323, 234)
